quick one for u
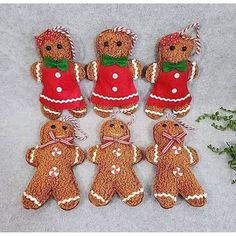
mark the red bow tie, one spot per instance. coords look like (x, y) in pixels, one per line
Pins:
(110, 140)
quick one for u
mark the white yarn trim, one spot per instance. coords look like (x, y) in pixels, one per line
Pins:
(154, 70)
(115, 98)
(31, 160)
(193, 71)
(168, 99)
(204, 195)
(95, 154)
(132, 195)
(182, 111)
(61, 101)
(165, 195)
(76, 155)
(155, 153)
(32, 199)
(38, 72)
(67, 200)
(134, 63)
(103, 110)
(98, 196)
(76, 68)
(95, 70)
(190, 154)
(122, 110)
(79, 111)
(154, 112)
(51, 111)
(135, 152)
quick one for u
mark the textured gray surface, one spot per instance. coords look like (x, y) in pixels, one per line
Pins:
(20, 116)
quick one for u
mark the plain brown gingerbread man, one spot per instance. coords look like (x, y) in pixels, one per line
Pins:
(115, 157)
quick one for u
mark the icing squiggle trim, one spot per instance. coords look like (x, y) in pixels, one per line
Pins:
(76, 68)
(204, 195)
(155, 153)
(182, 111)
(98, 196)
(38, 72)
(115, 98)
(76, 155)
(193, 71)
(61, 101)
(154, 112)
(51, 111)
(165, 195)
(135, 152)
(168, 99)
(154, 70)
(68, 200)
(32, 199)
(31, 160)
(79, 111)
(134, 63)
(103, 110)
(95, 70)
(95, 154)
(122, 110)
(190, 154)
(132, 195)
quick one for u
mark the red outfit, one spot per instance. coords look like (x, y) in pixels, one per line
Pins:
(170, 89)
(114, 87)
(60, 89)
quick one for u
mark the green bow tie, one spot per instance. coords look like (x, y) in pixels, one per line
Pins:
(60, 64)
(169, 66)
(108, 61)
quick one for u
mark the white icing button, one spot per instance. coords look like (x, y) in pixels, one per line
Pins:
(174, 90)
(59, 89)
(115, 169)
(176, 75)
(54, 172)
(114, 89)
(115, 76)
(58, 75)
(56, 152)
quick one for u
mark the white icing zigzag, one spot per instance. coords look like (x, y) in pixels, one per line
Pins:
(135, 152)
(50, 111)
(31, 160)
(165, 195)
(61, 101)
(79, 111)
(38, 72)
(32, 199)
(193, 71)
(133, 195)
(134, 63)
(115, 99)
(154, 112)
(95, 154)
(168, 99)
(204, 195)
(76, 72)
(76, 155)
(95, 70)
(98, 196)
(155, 153)
(154, 70)
(190, 154)
(182, 111)
(68, 200)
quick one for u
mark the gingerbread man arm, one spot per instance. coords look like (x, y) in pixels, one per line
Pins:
(151, 73)
(36, 71)
(94, 154)
(136, 68)
(92, 70)
(194, 70)
(137, 154)
(32, 156)
(78, 156)
(152, 154)
(79, 71)
(192, 155)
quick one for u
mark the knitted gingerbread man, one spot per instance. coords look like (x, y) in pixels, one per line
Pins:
(54, 159)
(115, 157)
(173, 160)
(59, 74)
(114, 73)
(171, 73)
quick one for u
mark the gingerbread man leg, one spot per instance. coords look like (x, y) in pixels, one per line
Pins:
(50, 113)
(102, 190)
(191, 190)
(154, 112)
(182, 111)
(103, 111)
(165, 189)
(66, 192)
(129, 189)
(79, 112)
(37, 192)
(128, 110)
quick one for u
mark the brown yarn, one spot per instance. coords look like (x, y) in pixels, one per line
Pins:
(168, 184)
(108, 180)
(43, 185)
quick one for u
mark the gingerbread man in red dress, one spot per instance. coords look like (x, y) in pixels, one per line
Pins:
(170, 75)
(59, 74)
(114, 73)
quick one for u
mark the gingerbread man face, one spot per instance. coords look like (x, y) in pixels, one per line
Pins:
(176, 50)
(114, 44)
(60, 130)
(114, 128)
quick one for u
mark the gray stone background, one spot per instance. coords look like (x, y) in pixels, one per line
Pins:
(21, 119)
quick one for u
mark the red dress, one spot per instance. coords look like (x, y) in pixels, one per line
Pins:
(60, 89)
(170, 89)
(114, 87)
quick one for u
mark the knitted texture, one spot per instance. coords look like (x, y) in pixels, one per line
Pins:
(54, 159)
(173, 160)
(59, 74)
(115, 157)
(173, 65)
(114, 72)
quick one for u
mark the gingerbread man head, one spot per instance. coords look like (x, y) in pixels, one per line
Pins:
(55, 43)
(117, 42)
